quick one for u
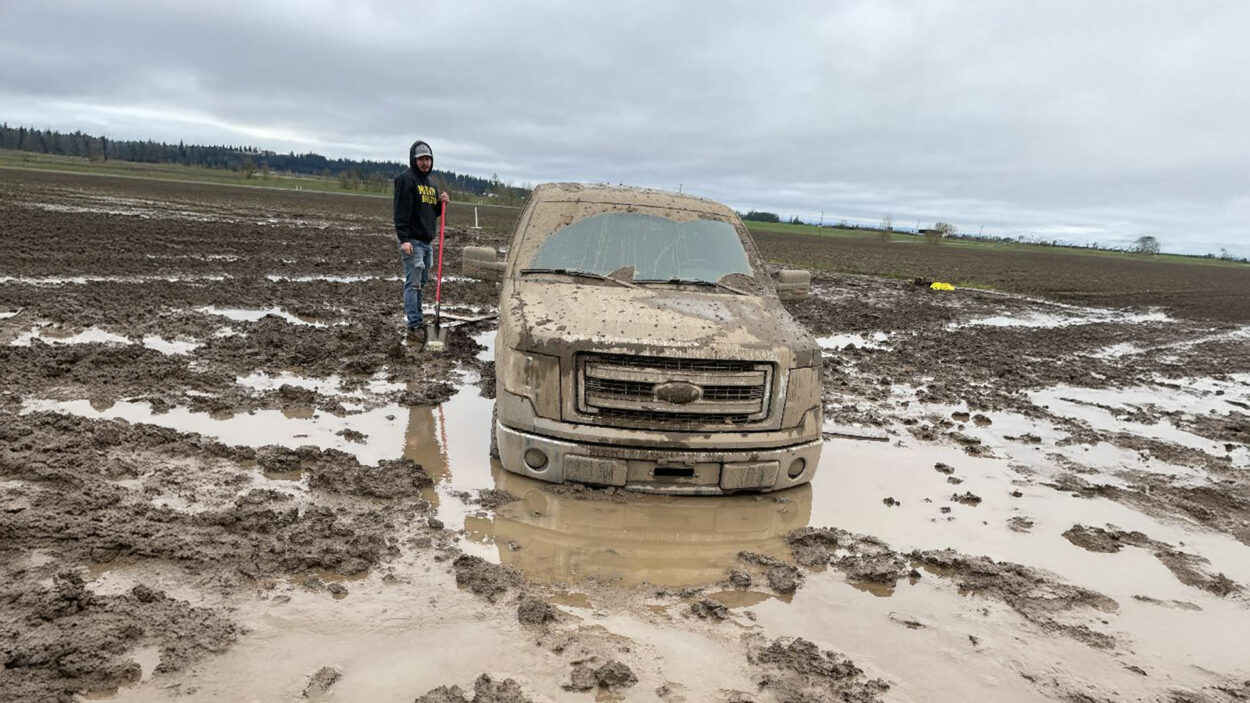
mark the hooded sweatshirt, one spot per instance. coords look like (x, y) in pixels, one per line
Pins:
(416, 201)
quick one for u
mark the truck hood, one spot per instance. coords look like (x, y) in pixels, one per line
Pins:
(656, 320)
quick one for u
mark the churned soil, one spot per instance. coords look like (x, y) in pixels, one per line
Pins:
(1202, 289)
(937, 352)
(304, 288)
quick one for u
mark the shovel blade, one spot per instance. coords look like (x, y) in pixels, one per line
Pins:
(435, 337)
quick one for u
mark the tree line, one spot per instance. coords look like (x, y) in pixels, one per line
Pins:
(350, 173)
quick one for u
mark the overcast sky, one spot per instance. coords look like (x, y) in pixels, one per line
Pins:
(1082, 121)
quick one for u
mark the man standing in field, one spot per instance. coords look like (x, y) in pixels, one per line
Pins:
(417, 204)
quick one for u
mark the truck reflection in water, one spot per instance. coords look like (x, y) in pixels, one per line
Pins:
(556, 535)
(569, 533)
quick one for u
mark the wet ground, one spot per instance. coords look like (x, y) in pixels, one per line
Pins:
(223, 476)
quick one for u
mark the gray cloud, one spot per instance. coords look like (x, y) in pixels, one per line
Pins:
(1070, 120)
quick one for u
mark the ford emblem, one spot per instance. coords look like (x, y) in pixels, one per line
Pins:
(678, 392)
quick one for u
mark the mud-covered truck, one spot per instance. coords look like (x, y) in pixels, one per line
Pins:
(643, 343)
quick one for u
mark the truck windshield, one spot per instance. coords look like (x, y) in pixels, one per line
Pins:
(658, 249)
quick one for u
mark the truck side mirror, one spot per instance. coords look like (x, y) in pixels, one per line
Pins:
(794, 284)
(482, 263)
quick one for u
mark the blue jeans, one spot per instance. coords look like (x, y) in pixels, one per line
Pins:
(416, 273)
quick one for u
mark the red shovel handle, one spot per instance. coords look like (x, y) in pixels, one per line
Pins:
(438, 286)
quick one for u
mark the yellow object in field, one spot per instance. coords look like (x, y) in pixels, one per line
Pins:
(938, 285)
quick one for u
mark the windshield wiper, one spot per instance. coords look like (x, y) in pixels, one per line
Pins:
(692, 282)
(579, 274)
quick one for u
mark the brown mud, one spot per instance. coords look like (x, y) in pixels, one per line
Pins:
(224, 475)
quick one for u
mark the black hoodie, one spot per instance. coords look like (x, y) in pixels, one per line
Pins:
(416, 202)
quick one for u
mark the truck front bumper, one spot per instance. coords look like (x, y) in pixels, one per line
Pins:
(663, 470)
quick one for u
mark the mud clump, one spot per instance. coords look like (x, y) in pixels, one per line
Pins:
(796, 670)
(492, 498)
(612, 675)
(709, 608)
(966, 498)
(1189, 569)
(1034, 594)
(1096, 539)
(316, 538)
(582, 678)
(862, 558)
(739, 579)
(615, 674)
(1020, 524)
(484, 578)
(536, 611)
(485, 690)
(340, 472)
(781, 576)
(64, 639)
(321, 681)
(1225, 507)
(784, 578)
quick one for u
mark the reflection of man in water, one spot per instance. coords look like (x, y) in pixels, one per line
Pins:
(421, 443)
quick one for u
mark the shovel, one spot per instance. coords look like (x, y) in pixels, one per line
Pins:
(435, 335)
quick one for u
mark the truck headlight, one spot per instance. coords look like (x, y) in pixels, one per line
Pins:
(534, 376)
(803, 392)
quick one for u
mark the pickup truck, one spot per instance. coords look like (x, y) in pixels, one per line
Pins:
(643, 343)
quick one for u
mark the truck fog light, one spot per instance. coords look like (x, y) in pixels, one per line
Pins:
(797, 467)
(537, 460)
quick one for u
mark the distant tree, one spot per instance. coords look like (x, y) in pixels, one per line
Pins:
(248, 167)
(1146, 245)
(348, 180)
(376, 182)
(939, 231)
(760, 216)
(26, 140)
(795, 220)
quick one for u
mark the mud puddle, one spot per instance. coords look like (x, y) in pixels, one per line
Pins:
(1062, 317)
(875, 340)
(388, 641)
(84, 280)
(48, 333)
(243, 315)
(55, 335)
(594, 555)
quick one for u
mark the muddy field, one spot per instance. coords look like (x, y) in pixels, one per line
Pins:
(224, 477)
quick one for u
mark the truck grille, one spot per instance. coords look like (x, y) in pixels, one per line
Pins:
(671, 393)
